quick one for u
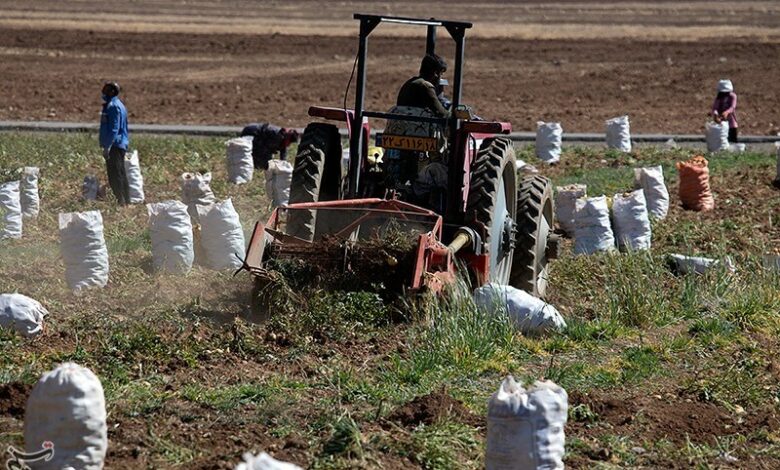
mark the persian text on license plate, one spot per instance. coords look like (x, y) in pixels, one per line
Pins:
(402, 142)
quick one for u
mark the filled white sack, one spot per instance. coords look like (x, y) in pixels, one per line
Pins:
(196, 191)
(239, 160)
(777, 145)
(525, 428)
(21, 314)
(170, 230)
(135, 180)
(717, 136)
(771, 263)
(90, 188)
(67, 408)
(263, 461)
(28, 191)
(631, 221)
(566, 204)
(698, 265)
(221, 236)
(618, 134)
(344, 162)
(278, 177)
(10, 211)
(592, 228)
(651, 180)
(528, 313)
(548, 141)
(83, 249)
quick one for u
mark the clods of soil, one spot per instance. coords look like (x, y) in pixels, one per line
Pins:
(13, 399)
(432, 408)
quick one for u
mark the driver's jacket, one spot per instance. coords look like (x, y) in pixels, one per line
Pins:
(420, 93)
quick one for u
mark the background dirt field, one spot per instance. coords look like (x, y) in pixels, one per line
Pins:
(233, 62)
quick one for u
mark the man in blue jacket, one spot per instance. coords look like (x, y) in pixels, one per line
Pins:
(114, 141)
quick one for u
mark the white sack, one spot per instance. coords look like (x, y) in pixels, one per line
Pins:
(278, 177)
(772, 263)
(90, 188)
(67, 408)
(525, 429)
(651, 180)
(10, 211)
(777, 145)
(239, 160)
(566, 204)
(592, 228)
(264, 461)
(344, 162)
(134, 178)
(717, 135)
(221, 236)
(170, 230)
(196, 191)
(28, 191)
(631, 221)
(619, 134)
(694, 264)
(548, 141)
(22, 314)
(83, 249)
(529, 314)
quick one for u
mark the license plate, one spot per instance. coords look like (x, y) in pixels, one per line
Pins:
(402, 142)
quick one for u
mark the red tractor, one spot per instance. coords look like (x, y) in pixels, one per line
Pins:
(478, 214)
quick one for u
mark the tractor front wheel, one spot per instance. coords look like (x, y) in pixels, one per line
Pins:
(534, 228)
(316, 176)
(492, 199)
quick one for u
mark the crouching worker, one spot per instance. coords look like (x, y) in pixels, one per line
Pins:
(267, 140)
(724, 108)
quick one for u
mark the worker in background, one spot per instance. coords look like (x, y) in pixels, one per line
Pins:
(267, 140)
(421, 91)
(114, 140)
(725, 107)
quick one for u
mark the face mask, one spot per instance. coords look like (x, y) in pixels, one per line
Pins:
(105, 97)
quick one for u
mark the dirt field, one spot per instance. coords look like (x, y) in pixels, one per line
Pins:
(233, 62)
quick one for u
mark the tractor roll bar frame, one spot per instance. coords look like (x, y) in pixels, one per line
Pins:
(457, 30)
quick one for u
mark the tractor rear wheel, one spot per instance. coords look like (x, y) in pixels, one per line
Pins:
(316, 176)
(493, 199)
(534, 227)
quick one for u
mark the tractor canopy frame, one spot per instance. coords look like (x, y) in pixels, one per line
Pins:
(457, 30)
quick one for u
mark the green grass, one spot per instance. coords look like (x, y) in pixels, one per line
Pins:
(331, 367)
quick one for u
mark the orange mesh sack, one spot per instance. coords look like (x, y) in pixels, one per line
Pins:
(694, 190)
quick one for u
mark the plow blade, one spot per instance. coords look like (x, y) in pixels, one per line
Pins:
(389, 240)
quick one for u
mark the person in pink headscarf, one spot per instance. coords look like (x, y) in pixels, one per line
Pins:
(724, 108)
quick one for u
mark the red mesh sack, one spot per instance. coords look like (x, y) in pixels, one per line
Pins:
(694, 191)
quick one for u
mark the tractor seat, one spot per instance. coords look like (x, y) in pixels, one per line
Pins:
(412, 128)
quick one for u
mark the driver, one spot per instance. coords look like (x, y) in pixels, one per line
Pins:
(421, 91)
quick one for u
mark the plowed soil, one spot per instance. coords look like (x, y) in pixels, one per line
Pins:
(234, 62)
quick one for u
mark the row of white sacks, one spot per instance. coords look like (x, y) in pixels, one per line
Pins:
(240, 169)
(220, 243)
(18, 199)
(66, 411)
(549, 136)
(588, 220)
